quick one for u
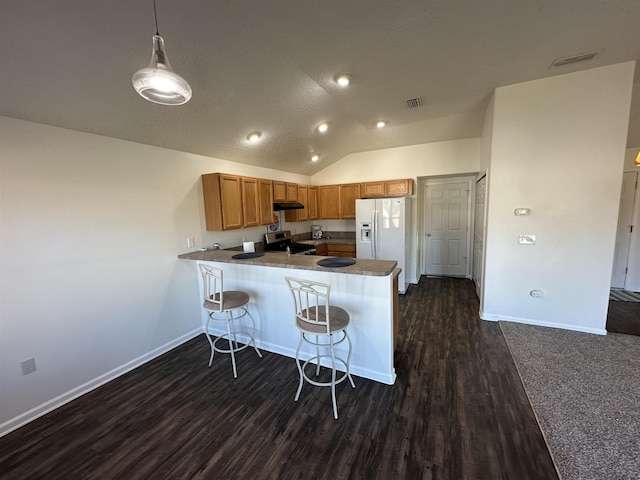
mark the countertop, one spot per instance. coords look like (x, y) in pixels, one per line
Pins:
(379, 268)
(328, 241)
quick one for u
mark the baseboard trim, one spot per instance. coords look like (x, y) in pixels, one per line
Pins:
(50, 405)
(540, 323)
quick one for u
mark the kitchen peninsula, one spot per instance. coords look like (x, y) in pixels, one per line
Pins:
(367, 290)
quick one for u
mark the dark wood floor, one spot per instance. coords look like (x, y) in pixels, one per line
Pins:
(624, 317)
(457, 411)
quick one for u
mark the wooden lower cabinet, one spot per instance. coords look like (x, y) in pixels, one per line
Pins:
(322, 250)
(340, 250)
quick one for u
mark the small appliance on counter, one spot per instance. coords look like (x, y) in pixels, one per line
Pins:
(316, 233)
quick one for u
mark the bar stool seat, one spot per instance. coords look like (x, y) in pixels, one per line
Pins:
(231, 307)
(322, 326)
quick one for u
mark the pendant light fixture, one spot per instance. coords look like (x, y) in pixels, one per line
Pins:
(638, 160)
(157, 82)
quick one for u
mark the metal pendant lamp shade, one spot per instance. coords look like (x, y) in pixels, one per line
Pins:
(157, 82)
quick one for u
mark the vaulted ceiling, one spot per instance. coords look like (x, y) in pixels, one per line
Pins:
(269, 66)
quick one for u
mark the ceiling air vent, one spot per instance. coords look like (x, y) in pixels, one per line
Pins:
(414, 102)
(583, 57)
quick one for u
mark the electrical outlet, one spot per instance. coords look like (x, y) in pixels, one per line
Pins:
(28, 366)
(191, 242)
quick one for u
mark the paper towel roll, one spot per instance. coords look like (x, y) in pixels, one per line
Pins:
(248, 246)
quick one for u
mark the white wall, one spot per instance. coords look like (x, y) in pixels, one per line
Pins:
(558, 148)
(90, 283)
(454, 157)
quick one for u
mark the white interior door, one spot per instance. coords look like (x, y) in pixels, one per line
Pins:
(446, 221)
(623, 237)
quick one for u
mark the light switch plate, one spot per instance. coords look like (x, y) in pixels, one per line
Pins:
(520, 212)
(526, 239)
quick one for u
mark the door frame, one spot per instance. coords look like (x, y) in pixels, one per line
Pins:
(470, 178)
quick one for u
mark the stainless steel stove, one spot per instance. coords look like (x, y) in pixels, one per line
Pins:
(280, 241)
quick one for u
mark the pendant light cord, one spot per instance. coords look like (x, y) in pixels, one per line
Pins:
(155, 15)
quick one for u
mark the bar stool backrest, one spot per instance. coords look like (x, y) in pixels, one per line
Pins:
(213, 293)
(311, 303)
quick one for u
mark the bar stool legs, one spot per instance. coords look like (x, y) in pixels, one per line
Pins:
(319, 323)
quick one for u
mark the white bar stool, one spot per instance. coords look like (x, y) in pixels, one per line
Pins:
(318, 322)
(225, 303)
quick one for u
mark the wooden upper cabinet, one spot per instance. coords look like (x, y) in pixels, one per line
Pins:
(329, 201)
(374, 189)
(302, 214)
(232, 201)
(265, 201)
(222, 201)
(348, 195)
(292, 192)
(279, 191)
(388, 188)
(250, 207)
(312, 203)
(398, 188)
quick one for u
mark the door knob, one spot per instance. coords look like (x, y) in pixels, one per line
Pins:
(428, 234)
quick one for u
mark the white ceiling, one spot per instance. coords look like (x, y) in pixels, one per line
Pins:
(269, 66)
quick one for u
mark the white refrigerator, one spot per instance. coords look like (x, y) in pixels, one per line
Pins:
(382, 232)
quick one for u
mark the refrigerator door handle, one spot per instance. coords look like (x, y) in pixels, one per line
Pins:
(373, 234)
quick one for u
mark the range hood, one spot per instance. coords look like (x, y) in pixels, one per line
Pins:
(277, 206)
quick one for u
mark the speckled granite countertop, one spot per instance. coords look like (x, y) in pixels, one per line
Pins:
(328, 241)
(379, 268)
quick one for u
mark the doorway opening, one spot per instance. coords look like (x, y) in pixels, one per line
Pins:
(446, 223)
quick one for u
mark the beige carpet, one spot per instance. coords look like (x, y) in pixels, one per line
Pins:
(585, 391)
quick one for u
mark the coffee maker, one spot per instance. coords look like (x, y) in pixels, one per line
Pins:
(316, 233)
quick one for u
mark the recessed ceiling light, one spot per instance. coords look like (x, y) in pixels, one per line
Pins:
(381, 124)
(323, 127)
(315, 158)
(343, 80)
(254, 137)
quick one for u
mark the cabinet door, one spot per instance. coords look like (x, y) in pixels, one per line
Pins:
(303, 215)
(341, 250)
(300, 215)
(265, 201)
(373, 189)
(292, 192)
(250, 207)
(396, 188)
(329, 202)
(312, 202)
(348, 195)
(279, 191)
(231, 200)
